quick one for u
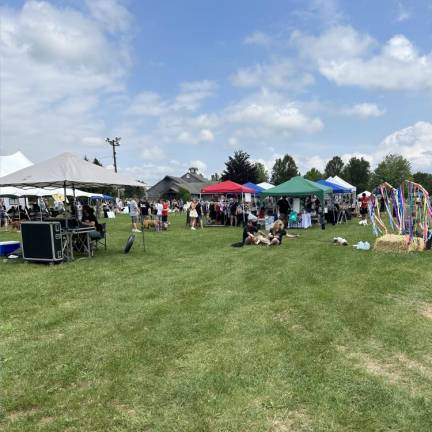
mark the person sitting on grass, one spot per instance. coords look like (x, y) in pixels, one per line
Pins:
(276, 233)
(249, 231)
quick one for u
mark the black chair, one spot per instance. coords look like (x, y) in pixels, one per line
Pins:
(102, 239)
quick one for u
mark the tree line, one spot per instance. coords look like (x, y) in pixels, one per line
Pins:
(393, 169)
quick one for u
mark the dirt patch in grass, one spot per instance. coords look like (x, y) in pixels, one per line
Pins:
(396, 369)
(290, 421)
(425, 310)
(18, 415)
(124, 409)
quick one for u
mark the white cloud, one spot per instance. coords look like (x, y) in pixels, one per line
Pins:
(57, 65)
(272, 112)
(152, 153)
(348, 57)
(195, 137)
(202, 166)
(258, 38)
(279, 74)
(413, 142)
(110, 13)
(148, 104)
(402, 12)
(193, 93)
(364, 110)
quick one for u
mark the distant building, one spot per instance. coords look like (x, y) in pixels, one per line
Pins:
(171, 187)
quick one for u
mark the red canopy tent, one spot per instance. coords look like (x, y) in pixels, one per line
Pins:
(227, 186)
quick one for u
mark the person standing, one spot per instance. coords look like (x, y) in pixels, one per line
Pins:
(134, 212)
(283, 207)
(199, 210)
(193, 214)
(165, 209)
(364, 201)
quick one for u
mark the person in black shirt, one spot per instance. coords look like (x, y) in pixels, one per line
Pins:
(89, 218)
(250, 228)
(284, 207)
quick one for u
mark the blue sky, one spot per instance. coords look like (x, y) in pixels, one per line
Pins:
(188, 82)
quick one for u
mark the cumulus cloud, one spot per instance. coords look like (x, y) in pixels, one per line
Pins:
(364, 110)
(152, 153)
(413, 142)
(193, 93)
(347, 57)
(279, 74)
(273, 112)
(57, 65)
(258, 38)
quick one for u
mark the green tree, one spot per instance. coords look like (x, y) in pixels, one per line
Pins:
(284, 169)
(334, 167)
(97, 162)
(314, 174)
(215, 177)
(184, 195)
(357, 172)
(239, 168)
(394, 169)
(424, 179)
(86, 158)
(261, 173)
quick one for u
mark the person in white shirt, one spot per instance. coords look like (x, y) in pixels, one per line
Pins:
(134, 213)
(159, 208)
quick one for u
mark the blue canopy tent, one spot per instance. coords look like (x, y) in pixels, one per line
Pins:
(336, 188)
(102, 197)
(257, 189)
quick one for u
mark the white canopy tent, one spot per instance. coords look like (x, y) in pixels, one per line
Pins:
(341, 182)
(63, 171)
(8, 165)
(13, 163)
(265, 185)
(368, 194)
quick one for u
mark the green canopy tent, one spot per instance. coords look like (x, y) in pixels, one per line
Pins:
(299, 187)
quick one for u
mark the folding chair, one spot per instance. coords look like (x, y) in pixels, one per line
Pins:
(102, 240)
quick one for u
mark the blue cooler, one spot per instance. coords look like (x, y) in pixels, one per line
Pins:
(7, 247)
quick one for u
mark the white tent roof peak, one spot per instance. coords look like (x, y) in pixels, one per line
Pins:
(265, 185)
(67, 170)
(341, 182)
(13, 162)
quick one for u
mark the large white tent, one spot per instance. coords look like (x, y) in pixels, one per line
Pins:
(8, 165)
(341, 182)
(63, 171)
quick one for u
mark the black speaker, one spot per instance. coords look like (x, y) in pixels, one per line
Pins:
(42, 241)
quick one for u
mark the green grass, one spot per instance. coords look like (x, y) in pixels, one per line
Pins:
(194, 335)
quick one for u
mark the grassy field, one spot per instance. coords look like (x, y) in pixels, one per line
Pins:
(194, 335)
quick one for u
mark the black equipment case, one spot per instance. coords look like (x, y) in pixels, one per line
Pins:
(42, 241)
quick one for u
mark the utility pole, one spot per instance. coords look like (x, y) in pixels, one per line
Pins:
(114, 143)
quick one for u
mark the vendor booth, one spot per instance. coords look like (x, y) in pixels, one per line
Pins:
(221, 207)
(64, 171)
(299, 187)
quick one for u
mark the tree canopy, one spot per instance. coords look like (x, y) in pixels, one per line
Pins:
(424, 179)
(334, 167)
(239, 168)
(261, 173)
(314, 174)
(284, 169)
(357, 172)
(393, 169)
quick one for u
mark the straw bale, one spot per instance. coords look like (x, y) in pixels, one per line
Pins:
(394, 243)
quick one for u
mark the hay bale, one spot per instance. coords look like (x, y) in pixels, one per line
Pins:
(394, 243)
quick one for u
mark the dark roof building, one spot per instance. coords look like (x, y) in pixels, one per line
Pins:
(171, 186)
